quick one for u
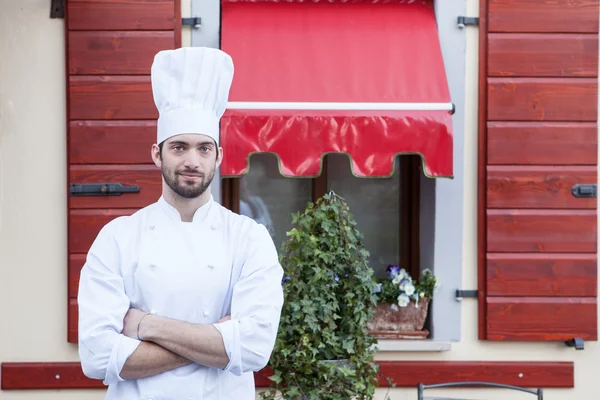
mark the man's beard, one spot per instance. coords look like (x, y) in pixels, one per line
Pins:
(190, 191)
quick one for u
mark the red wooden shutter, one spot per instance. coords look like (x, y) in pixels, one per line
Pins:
(111, 115)
(537, 140)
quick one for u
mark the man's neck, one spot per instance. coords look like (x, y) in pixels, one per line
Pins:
(186, 207)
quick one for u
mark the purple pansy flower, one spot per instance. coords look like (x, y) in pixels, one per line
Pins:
(393, 270)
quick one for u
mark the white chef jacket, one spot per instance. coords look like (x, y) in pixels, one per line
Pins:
(220, 264)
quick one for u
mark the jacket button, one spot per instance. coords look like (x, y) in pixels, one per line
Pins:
(211, 266)
(206, 313)
(151, 226)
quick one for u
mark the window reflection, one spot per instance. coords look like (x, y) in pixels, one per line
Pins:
(271, 199)
(375, 205)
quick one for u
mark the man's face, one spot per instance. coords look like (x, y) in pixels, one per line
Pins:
(188, 163)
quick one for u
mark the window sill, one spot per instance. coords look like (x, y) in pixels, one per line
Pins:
(412, 345)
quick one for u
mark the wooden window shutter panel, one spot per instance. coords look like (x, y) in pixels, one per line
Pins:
(538, 101)
(111, 116)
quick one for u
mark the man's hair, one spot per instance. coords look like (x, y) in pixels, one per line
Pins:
(160, 148)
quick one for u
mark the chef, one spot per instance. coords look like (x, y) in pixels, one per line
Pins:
(182, 299)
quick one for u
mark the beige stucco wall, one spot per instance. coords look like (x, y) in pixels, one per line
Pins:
(33, 243)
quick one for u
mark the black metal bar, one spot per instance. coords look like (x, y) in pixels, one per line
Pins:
(578, 343)
(585, 190)
(57, 8)
(193, 21)
(463, 21)
(101, 189)
(466, 293)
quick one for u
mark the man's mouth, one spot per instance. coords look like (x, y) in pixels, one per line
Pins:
(190, 177)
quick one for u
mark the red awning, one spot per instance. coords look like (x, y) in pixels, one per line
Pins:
(313, 77)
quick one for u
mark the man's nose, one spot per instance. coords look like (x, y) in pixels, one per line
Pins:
(192, 160)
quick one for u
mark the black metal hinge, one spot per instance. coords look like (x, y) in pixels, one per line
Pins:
(101, 189)
(582, 190)
(575, 342)
(57, 8)
(194, 22)
(460, 294)
(463, 21)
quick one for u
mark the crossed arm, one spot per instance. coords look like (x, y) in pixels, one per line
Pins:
(168, 344)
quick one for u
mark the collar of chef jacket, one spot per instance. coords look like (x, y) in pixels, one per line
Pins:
(208, 213)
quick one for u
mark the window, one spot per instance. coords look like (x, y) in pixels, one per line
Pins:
(386, 209)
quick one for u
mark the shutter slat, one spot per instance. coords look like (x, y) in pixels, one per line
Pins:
(548, 54)
(542, 99)
(541, 274)
(557, 231)
(111, 97)
(542, 143)
(111, 142)
(543, 16)
(541, 318)
(116, 53)
(121, 15)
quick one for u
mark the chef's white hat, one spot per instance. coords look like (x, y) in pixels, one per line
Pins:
(190, 87)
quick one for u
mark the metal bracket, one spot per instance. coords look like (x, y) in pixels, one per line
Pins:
(57, 8)
(194, 22)
(463, 21)
(582, 190)
(575, 342)
(101, 189)
(460, 294)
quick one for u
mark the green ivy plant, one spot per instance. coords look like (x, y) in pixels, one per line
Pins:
(323, 349)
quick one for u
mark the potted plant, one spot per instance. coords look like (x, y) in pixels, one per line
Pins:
(402, 304)
(323, 348)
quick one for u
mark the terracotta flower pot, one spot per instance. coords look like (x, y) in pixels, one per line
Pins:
(403, 319)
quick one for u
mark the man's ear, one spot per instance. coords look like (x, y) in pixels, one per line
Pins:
(156, 157)
(219, 157)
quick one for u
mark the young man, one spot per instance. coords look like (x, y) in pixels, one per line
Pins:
(182, 299)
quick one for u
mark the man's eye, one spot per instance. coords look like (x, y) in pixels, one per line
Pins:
(205, 149)
(178, 148)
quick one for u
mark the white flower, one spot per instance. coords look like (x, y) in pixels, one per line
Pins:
(404, 274)
(403, 300)
(407, 288)
(421, 295)
(397, 279)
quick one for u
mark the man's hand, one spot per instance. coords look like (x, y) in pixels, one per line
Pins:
(131, 321)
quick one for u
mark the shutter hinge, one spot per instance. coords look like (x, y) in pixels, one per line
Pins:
(194, 22)
(575, 342)
(57, 8)
(460, 294)
(463, 21)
